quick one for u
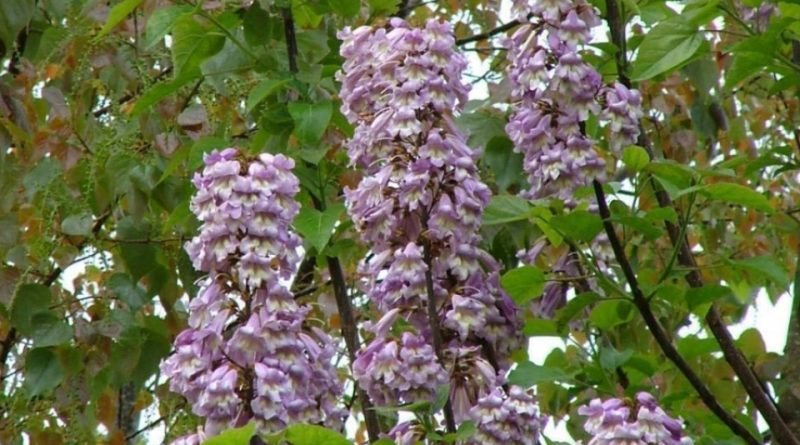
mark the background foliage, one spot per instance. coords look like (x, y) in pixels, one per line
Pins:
(106, 109)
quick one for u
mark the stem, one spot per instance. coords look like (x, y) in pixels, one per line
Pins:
(350, 335)
(291, 39)
(7, 344)
(343, 303)
(658, 331)
(734, 357)
(489, 34)
(436, 333)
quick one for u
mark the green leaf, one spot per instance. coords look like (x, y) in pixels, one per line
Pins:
(314, 435)
(127, 290)
(345, 8)
(635, 158)
(691, 347)
(234, 436)
(505, 164)
(14, 16)
(739, 194)
(698, 296)
(667, 46)
(540, 328)
(744, 66)
(77, 225)
(159, 91)
(504, 209)
(579, 225)
(523, 283)
(310, 120)
(610, 313)
(673, 177)
(765, 266)
(50, 330)
(43, 371)
(382, 6)
(161, 22)
(30, 299)
(192, 43)
(118, 14)
(574, 307)
(442, 396)
(641, 225)
(139, 258)
(264, 89)
(611, 359)
(527, 374)
(317, 227)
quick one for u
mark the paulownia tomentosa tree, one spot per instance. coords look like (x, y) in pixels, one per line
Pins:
(294, 220)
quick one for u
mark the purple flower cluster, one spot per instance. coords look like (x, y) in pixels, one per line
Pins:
(511, 418)
(557, 91)
(419, 206)
(615, 422)
(247, 353)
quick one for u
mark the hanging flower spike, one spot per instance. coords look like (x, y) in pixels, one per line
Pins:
(615, 422)
(419, 207)
(247, 353)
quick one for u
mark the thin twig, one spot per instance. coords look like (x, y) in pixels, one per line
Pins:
(436, 332)
(734, 357)
(489, 34)
(343, 303)
(660, 335)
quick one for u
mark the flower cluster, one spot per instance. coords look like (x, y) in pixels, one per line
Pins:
(419, 206)
(557, 91)
(506, 419)
(247, 353)
(643, 422)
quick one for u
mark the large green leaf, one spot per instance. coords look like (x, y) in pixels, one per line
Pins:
(233, 436)
(523, 283)
(579, 225)
(78, 224)
(314, 435)
(317, 227)
(160, 91)
(738, 194)
(127, 290)
(43, 371)
(610, 313)
(30, 299)
(345, 8)
(50, 330)
(667, 46)
(505, 209)
(310, 120)
(505, 164)
(14, 16)
(118, 14)
(527, 374)
(161, 22)
(192, 43)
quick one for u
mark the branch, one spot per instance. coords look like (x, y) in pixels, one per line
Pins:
(127, 97)
(436, 332)
(660, 335)
(734, 357)
(489, 34)
(7, 344)
(343, 303)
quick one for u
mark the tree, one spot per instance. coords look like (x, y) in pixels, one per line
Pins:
(293, 212)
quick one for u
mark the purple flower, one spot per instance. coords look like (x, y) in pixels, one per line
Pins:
(610, 423)
(247, 335)
(556, 92)
(506, 418)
